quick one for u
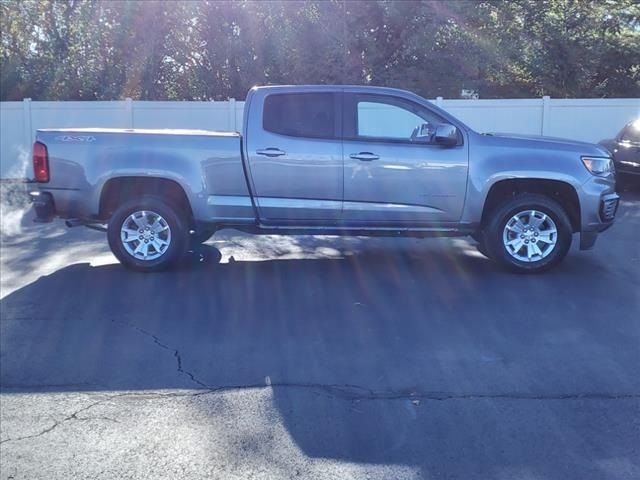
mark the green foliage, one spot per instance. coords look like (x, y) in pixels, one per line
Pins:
(201, 50)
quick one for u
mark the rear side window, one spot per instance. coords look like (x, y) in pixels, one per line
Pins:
(301, 114)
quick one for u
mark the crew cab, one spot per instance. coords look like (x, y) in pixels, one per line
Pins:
(344, 160)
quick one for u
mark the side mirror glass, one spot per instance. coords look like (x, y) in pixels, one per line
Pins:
(446, 135)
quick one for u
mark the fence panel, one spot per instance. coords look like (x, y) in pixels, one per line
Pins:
(580, 119)
(192, 115)
(590, 120)
(517, 116)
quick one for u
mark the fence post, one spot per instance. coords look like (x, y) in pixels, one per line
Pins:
(544, 126)
(128, 108)
(439, 101)
(26, 122)
(232, 114)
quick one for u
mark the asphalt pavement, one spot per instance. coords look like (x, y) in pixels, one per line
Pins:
(317, 357)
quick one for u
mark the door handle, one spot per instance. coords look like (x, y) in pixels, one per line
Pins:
(270, 152)
(364, 156)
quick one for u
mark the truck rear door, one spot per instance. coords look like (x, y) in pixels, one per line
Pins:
(294, 153)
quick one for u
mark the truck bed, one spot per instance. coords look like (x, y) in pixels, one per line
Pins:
(200, 161)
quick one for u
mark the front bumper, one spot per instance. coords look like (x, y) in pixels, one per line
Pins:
(43, 206)
(607, 209)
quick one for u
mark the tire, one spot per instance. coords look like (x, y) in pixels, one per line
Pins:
(530, 233)
(165, 235)
(482, 248)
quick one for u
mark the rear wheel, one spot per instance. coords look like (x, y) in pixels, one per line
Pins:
(530, 233)
(146, 234)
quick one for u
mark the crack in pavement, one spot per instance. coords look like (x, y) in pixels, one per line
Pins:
(74, 415)
(343, 391)
(357, 392)
(56, 423)
(176, 352)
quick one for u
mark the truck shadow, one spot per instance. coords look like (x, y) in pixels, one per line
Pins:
(381, 358)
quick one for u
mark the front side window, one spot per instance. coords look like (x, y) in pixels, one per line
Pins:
(300, 114)
(383, 117)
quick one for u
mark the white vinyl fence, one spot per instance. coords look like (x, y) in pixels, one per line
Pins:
(580, 119)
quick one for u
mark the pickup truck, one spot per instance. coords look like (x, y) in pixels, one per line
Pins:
(335, 160)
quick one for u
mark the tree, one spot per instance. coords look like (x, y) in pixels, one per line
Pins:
(201, 50)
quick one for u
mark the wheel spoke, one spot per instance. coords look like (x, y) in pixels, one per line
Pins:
(517, 227)
(138, 221)
(536, 249)
(537, 221)
(516, 243)
(130, 232)
(546, 238)
(156, 224)
(139, 248)
(529, 251)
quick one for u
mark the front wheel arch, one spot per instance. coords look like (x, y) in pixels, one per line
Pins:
(560, 191)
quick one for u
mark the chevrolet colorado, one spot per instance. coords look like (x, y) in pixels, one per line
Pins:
(344, 160)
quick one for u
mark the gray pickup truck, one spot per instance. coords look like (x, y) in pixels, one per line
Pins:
(343, 160)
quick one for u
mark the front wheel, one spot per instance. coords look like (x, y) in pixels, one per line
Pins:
(146, 234)
(530, 233)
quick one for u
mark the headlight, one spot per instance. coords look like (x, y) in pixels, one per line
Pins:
(598, 165)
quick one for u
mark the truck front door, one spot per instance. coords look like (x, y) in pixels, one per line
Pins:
(394, 174)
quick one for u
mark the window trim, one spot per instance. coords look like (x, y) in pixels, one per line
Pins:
(337, 114)
(350, 125)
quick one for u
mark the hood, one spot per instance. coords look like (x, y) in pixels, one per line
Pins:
(539, 141)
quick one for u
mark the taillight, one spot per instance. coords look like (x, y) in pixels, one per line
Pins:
(40, 162)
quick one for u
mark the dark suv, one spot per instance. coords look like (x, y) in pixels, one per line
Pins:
(625, 150)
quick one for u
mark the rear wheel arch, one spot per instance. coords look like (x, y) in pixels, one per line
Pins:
(120, 190)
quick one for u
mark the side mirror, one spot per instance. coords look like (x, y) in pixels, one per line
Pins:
(446, 135)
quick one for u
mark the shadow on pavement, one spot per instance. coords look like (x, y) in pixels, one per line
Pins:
(438, 361)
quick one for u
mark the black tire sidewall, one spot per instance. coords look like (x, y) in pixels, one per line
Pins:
(549, 207)
(179, 234)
